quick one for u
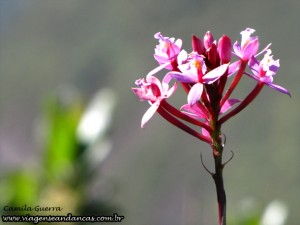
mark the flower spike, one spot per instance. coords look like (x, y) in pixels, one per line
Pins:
(203, 74)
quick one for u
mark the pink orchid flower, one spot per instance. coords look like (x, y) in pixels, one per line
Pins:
(264, 70)
(248, 47)
(154, 91)
(193, 71)
(167, 50)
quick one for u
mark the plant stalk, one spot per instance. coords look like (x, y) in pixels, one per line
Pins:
(218, 175)
(221, 195)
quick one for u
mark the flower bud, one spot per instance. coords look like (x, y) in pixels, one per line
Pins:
(197, 45)
(224, 49)
(208, 40)
(213, 57)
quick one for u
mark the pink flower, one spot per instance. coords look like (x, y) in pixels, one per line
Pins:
(264, 70)
(167, 50)
(154, 91)
(248, 47)
(193, 71)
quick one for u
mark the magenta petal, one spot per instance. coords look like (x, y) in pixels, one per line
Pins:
(187, 110)
(215, 74)
(237, 50)
(139, 93)
(252, 76)
(182, 77)
(233, 67)
(167, 78)
(264, 50)
(205, 133)
(254, 65)
(171, 91)
(149, 113)
(228, 104)
(190, 115)
(279, 88)
(251, 49)
(193, 111)
(159, 68)
(195, 93)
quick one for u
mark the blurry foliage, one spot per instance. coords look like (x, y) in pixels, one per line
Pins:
(250, 213)
(64, 175)
(62, 146)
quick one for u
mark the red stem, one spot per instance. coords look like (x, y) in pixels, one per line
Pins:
(181, 125)
(251, 96)
(235, 82)
(181, 115)
(208, 108)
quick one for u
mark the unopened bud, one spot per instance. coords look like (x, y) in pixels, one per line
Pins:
(208, 40)
(197, 45)
(213, 57)
(224, 49)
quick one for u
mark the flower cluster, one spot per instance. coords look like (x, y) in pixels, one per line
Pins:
(203, 74)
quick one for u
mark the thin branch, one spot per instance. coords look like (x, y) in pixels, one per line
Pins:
(207, 170)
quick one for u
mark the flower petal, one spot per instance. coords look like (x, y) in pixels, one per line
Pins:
(233, 67)
(228, 104)
(254, 65)
(193, 111)
(181, 77)
(215, 74)
(195, 93)
(157, 69)
(279, 88)
(251, 49)
(149, 113)
(170, 91)
(265, 49)
(237, 50)
(253, 76)
(205, 132)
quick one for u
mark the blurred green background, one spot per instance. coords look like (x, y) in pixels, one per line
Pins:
(56, 55)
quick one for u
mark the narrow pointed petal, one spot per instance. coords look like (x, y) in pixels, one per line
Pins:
(149, 113)
(228, 104)
(195, 93)
(252, 76)
(279, 88)
(254, 66)
(193, 111)
(171, 91)
(205, 133)
(182, 77)
(215, 74)
(157, 69)
(264, 50)
(233, 67)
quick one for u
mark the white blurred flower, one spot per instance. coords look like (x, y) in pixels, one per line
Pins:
(275, 214)
(97, 117)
